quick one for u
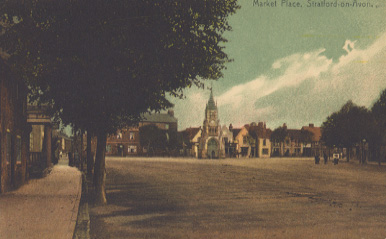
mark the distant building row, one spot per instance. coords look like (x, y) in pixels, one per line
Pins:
(211, 140)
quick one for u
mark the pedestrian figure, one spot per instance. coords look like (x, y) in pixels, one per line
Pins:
(336, 158)
(317, 159)
(70, 159)
(325, 158)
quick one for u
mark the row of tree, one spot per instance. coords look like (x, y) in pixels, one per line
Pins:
(280, 134)
(157, 141)
(350, 127)
(101, 64)
(355, 125)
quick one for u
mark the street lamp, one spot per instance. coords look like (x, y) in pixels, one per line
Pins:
(363, 151)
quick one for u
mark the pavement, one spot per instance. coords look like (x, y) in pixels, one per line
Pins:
(43, 208)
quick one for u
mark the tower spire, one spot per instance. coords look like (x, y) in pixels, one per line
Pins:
(211, 104)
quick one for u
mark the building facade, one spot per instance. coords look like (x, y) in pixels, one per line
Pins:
(211, 143)
(242, 140)
(190, 141)
(14, 130)
(315, 147)
(262, 138)
(126, 142)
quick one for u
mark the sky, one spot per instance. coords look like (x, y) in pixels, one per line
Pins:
(295, 65)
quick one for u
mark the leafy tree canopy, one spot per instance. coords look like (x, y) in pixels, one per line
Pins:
(306, 136)
(378, 111)
(102, 63)
(279, 134)
(151, 137)
(348, 126)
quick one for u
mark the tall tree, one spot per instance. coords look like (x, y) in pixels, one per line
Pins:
(103, 63)
(152, 138)
(347, 127)
(279, 135)
(378, 111)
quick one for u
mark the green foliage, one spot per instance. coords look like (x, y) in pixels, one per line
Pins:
(152, 138)
(347, 127)
(306, 136)
(102, 63)
(378, 111)
(279, 134)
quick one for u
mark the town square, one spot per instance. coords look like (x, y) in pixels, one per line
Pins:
(192, 119)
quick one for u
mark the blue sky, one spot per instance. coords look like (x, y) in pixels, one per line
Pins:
(295, 65)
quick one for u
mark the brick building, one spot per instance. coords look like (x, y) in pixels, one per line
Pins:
(126, 142)
(262, 137)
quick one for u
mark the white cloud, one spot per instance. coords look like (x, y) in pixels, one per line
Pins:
(359, 75)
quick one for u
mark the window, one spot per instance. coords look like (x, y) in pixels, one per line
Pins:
(264, 142)
(212, 130)
(265, 151)
(131, 135)
(18, 149)
(132, 149)
(166, 126)
(119, 136)
(244, 139)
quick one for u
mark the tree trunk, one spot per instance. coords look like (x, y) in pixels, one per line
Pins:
(348, 154)
(81, 150)
(99, 170)
(90, 159)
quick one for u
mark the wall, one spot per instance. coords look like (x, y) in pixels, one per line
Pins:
(14, 132)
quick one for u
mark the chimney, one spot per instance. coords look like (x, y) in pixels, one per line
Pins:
(311, 125)
(171, 112)
(285, 126)
(265, 126)
(230, 127)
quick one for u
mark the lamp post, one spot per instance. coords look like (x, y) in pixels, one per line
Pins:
(363, 151)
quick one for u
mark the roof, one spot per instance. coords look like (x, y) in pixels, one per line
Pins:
(235, 132)
(260, 131)
(211, 105)
(190, 133)
(295, 134)
(159, 118)
(317, 132)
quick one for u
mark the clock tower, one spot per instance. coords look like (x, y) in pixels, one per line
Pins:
(211, 145)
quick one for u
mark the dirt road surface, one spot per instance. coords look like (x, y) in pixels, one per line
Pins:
(241, 198)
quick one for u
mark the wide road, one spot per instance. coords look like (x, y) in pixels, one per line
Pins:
(241, 198)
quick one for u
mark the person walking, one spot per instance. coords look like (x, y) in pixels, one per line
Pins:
(325, 158)
(317, 159)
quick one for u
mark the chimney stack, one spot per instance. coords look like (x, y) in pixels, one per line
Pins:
(311, 125)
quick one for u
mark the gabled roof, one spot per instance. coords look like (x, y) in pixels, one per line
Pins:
(191, 132)
(159, 118)
(295, 134)
(235, 132)
(317, 132)
(260, 131)
(211, 105)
